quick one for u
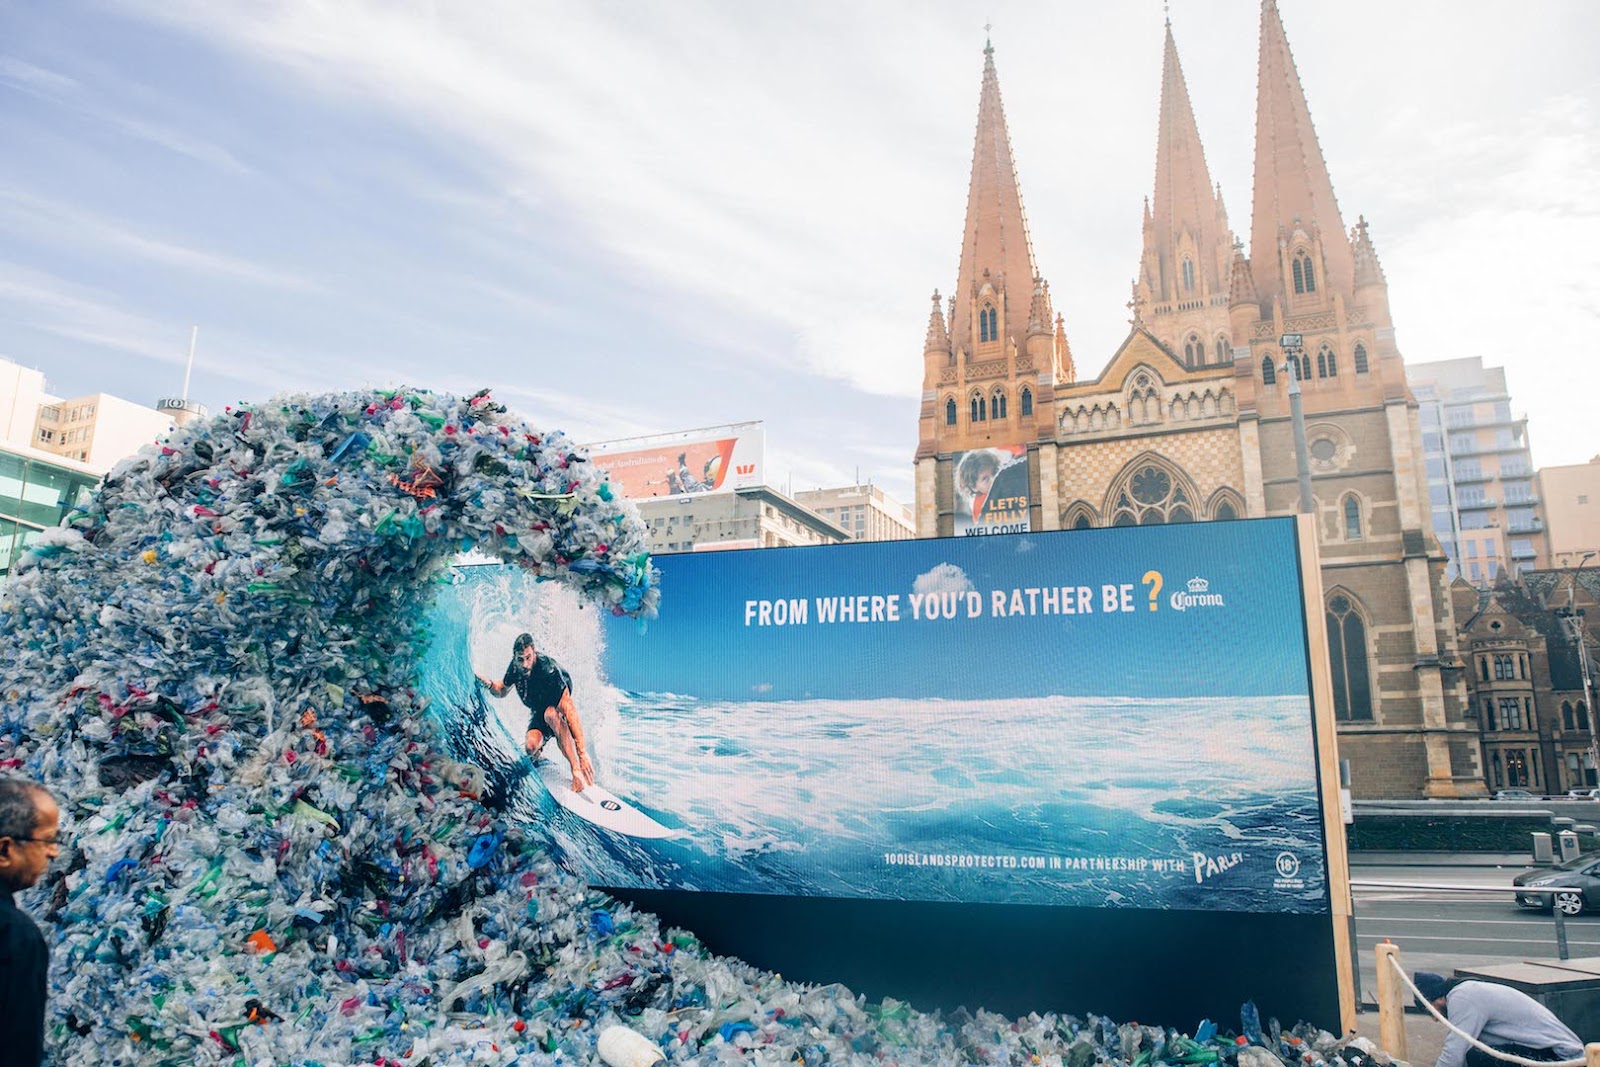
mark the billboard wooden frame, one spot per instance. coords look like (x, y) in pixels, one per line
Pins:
(1325, 733)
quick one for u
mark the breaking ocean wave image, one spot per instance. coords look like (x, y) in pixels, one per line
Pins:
(1168, 803)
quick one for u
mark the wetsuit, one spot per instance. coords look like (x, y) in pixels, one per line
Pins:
(539, 688)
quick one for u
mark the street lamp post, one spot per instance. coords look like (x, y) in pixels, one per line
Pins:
(1291, 344)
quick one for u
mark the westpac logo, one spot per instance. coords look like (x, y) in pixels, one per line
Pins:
(1197, 595)
(1210, 866)
(745, 468)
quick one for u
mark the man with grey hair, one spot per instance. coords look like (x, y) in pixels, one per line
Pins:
(29, 840)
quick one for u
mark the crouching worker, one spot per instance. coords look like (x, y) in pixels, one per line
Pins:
(1499, 1016)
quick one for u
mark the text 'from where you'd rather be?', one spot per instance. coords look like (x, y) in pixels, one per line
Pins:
(883, 608)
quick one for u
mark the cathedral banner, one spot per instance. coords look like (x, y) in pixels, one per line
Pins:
(991, 490)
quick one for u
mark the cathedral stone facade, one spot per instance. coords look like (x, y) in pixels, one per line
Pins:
(1190, 419)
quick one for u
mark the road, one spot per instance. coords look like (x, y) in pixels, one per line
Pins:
(1440, 930)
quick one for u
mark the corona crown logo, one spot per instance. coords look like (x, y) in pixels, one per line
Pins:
(1198, 595)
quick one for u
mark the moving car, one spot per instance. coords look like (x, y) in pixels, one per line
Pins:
(1583, 794)
(1514, 794)
(1578, 882)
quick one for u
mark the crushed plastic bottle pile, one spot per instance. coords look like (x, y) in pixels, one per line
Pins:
(269, 856)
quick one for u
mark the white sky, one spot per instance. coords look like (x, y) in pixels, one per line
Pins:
(635, 218)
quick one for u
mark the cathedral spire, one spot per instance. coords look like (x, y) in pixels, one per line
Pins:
(1368, 270)
(995, 247)
(938, 340)
(1185, 221)
(1293, 191)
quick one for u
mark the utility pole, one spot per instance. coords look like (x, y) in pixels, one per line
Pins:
(1292, 344)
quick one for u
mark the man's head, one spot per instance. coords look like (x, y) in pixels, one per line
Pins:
(29, 823)
(523, 652)
(1433, 987)
(976, 471)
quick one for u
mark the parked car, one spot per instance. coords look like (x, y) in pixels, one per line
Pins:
(1577, 879)
(1583, 794)
(1513, 794)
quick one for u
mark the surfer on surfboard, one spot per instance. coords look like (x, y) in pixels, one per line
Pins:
(546, 689)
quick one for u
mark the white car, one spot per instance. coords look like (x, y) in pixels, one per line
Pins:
(1583, 794)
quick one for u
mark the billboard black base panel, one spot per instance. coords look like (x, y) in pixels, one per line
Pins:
(1164, 968)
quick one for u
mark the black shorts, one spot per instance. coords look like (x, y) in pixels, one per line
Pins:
(542, 724)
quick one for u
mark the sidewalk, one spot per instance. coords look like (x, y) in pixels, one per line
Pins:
(1424, 1035)
(1517, 860)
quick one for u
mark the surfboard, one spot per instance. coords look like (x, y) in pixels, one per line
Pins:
(597, 804)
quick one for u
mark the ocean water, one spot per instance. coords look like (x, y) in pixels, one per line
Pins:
(1150, 803)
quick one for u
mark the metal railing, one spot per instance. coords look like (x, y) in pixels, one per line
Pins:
(1516, 890)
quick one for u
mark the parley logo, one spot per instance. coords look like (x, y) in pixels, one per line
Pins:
(1211, 866)
(1198, 595)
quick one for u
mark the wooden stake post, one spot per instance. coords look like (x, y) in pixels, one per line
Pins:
(1392, 1004)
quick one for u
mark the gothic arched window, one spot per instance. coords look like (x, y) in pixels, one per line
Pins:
(978, 410)
(1566, 716)
(1352, 518)
(950, 411)
(1188, 352)
(1222, 350)
(988, 320)
(1081, 523)
(1269, 373)
(997, 405)
(1152, 496)
(1027, 401)
(1361, 359)
(1347, 651)
(1225, 513)
(1188, 275)
(1194, 352)
(1305, 278)
(1581, 713)
(1327, 363)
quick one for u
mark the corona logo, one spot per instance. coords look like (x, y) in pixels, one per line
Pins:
(1198, 595)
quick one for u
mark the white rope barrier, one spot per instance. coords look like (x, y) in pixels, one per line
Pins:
(1496, 1053)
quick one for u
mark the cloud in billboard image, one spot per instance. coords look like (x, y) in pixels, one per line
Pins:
(811, 722)
(945, 578)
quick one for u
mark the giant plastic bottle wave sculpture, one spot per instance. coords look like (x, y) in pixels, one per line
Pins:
(270, 856)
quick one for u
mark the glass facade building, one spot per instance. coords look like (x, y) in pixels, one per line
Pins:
(1481, 486)
(36, 492)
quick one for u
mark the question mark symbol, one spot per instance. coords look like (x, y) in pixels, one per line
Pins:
(1153, 580)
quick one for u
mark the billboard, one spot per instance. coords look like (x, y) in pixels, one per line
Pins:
(1114, 718)
(713, 460)
(991, 490)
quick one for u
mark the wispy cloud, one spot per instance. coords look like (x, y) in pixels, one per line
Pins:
(733, 219)
(51, 222)
(57, 306)
(68, 93)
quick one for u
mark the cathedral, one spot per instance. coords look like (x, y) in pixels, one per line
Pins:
(1190, 420)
